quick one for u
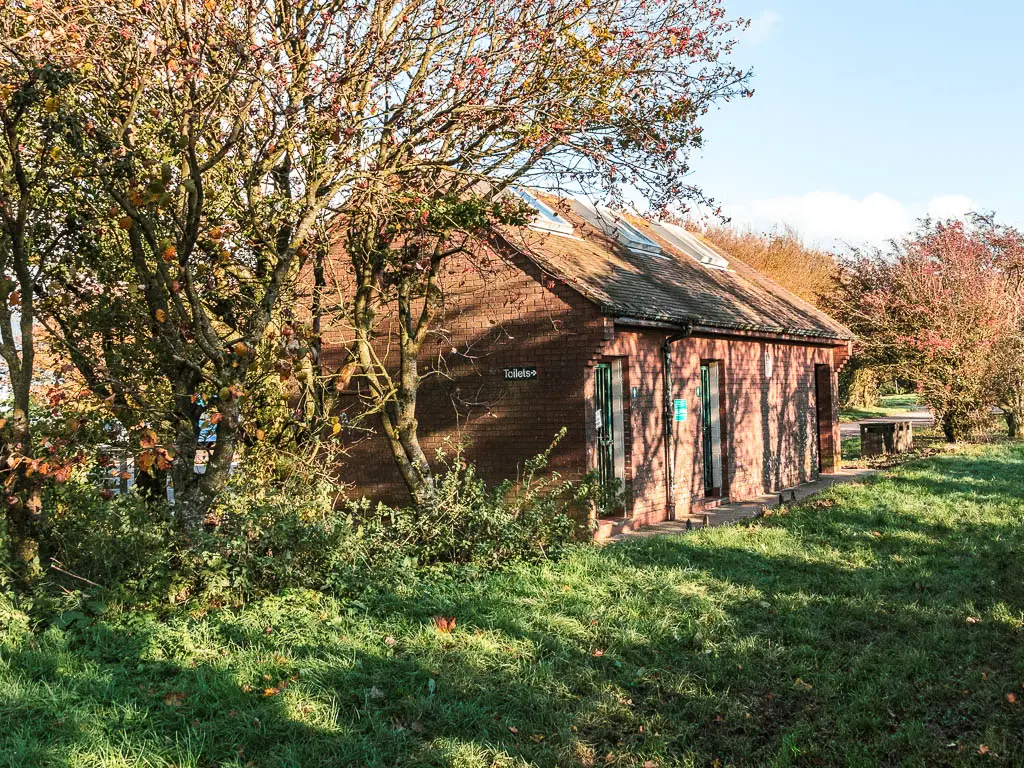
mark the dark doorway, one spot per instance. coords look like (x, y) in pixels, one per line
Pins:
(825, 419)
(711, 427)
(604, 421)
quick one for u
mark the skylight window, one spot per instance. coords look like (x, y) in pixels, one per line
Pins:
(615, 225)
(692, 245)
(546, 219)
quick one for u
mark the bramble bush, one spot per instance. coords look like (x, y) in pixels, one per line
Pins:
(280, 525)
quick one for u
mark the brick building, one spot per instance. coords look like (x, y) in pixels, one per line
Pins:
(684, 375)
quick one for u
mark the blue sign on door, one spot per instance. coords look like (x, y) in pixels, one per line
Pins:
(679, 409)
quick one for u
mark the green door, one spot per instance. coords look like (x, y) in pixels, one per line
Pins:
(705, 432)
(603, 420)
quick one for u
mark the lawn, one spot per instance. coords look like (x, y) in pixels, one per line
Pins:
(888, 405)
(880, 624)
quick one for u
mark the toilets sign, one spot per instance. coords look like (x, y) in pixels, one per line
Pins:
(521, 373)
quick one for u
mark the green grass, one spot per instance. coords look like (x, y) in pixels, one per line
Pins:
(881, 624)
(888, 405)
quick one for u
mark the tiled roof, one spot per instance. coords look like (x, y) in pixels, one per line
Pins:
(673, 287)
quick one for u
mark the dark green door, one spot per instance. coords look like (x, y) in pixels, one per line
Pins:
(705, 432)
(603, 422)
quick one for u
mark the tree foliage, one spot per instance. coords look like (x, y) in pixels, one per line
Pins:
(193, 160)
(781, 254)
(941, 308)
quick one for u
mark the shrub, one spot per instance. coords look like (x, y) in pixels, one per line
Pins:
(279, 525)
(467, 522)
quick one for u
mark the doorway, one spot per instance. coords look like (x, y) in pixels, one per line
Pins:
(711, 427)
(609, 428)
(825, 419)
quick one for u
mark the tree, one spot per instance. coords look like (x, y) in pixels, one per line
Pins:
(935, 309)
(211, 139)
(590, 96)
(32, 180)
(780, 254)
(220, 145)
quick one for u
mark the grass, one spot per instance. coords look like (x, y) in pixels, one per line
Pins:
(888, 405)
(880, 624)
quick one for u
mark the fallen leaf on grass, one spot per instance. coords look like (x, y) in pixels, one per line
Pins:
(376, 693)
(513, 730)
(389, 641)
(650, 764)
(800, 683)
(1012, 698)
(174, 699)
(973, 619)
(598, 652)
(444, 623)
(983, 749)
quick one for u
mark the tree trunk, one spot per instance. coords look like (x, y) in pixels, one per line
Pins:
(194, 504)
(23, 498)
(949, 430)
(1012, 424)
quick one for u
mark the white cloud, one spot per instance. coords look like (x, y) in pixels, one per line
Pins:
(950, 206)
(762, 27)
(831, 217)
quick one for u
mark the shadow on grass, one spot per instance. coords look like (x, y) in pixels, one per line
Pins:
(880, 624)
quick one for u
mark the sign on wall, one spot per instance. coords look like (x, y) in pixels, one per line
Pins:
(679, 410)
(520, 373)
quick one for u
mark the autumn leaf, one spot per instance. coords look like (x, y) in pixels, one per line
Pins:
(146, 461)
(160, 315)
(216, 418)
(444, 624)
(973, 620)
(148, 439)
(983, 749)
(1012, 698)
(174, 699)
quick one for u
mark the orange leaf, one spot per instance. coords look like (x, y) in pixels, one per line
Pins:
(160, 315)
(146, 461)
(444, 624)
(983, 749)
(147, 439)
(215, 418)
(174, 699)
(1012, 698)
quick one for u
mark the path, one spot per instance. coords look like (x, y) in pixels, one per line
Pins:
(744, 510)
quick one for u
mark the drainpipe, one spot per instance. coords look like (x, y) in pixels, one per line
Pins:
(668, 417)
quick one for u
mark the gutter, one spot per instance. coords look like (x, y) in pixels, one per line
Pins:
(668, 415)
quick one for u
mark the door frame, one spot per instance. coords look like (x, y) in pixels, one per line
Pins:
(615, 420)
(825, 419)
(713, 428)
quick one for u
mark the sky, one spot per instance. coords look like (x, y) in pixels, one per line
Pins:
(868, 115)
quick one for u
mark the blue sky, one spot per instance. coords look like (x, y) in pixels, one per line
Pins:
(870, 114)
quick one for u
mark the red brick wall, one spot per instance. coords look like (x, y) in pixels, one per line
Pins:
(496, 316)
(769, 439)
(511, 314)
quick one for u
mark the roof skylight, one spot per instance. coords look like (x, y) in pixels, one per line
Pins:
(546, 219)
(615, 224)
(692, 245)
